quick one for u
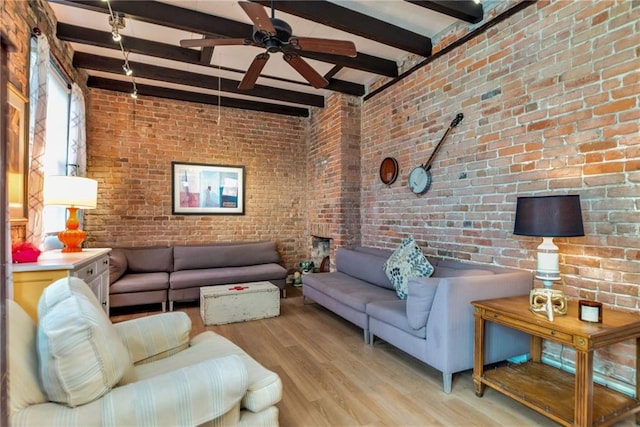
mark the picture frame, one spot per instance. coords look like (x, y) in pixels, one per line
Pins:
(590, 311)
(17, 153)
(204, 189)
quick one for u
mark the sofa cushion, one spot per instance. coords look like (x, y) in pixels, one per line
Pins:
(394, 313)
(362, 265)
(117, 264)
(265, 386)
(81, 356)
(419, 301)
(459, 272)
(224, 255)
(149, 259)
(352, 292)
(406, 261)
(141, 282)
(226, 275)
(385, 253)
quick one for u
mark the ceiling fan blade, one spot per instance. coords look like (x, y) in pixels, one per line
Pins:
(259, 17)
(334, 47)
(213, 42)
(305, 70)
(252, 74)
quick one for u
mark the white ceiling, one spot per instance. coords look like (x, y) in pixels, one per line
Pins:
(230, 62)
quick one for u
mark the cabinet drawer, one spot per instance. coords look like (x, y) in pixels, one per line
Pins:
(88, 272)
(523, 325)
(103, 265)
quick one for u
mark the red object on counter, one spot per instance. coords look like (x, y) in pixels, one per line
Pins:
(24, 252)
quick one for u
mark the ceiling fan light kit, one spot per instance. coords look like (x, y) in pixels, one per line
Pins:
(275, 35)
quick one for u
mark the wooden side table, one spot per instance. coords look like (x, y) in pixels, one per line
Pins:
(559, 395)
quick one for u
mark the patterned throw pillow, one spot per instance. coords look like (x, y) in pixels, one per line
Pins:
(406, 261)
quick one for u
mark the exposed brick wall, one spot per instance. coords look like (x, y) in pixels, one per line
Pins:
(130, 147)
(334, 171)
(550, 98)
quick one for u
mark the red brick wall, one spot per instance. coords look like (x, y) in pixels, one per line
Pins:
(131, 145)
(550, 98)
(334, 171)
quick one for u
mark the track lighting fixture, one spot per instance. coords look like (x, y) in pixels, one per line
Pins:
(116, 21)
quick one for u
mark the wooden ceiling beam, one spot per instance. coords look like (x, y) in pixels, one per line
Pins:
(466, 10)
(350, 21)
(170, 75)
(155, 12)
(183, 95)
(197, 22)
(332, 72)
(91, 37)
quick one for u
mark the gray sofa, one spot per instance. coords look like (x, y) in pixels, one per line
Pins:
(150, 275)
(435, 323)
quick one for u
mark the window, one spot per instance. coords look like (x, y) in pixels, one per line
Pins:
(57, 138)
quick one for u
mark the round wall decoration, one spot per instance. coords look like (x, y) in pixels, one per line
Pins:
(389, 170)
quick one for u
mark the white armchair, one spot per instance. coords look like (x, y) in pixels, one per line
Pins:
(160, 378)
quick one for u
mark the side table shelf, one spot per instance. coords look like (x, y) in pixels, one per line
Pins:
(571, 400)
(550, 391)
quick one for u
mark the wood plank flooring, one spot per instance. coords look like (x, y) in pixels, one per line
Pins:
(332, 378)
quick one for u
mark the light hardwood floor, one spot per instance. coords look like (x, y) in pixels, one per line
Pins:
(332, 378)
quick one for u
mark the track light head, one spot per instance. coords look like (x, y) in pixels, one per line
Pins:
(117, 23)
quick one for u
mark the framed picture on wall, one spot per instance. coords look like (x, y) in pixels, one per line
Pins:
(202, 189)
(17, 152)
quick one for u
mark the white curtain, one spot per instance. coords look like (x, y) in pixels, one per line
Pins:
(77, 151)
(37, 138)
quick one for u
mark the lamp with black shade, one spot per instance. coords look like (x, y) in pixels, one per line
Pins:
(75, 193)
(548, 217)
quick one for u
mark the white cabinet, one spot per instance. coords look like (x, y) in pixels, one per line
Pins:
(90, 265)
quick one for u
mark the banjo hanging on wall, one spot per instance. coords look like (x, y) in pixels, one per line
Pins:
(420, 177)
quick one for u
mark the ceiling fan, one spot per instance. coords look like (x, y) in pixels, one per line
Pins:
(275, 35)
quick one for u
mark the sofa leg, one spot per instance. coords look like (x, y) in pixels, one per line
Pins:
(447, 380)
(371, 338)
(164, 306)
(367, 336)
(284, 292)
(170, 305)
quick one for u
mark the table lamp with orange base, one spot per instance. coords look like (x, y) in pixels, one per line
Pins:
(75, 193)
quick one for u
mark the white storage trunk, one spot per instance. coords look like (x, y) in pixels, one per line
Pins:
(239, 302)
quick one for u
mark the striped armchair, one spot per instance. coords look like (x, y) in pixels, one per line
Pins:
(76, 368)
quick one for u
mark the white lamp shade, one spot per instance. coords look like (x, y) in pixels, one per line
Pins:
(73, 191)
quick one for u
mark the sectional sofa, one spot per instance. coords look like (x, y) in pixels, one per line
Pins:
(435, 323)
(149, 275)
